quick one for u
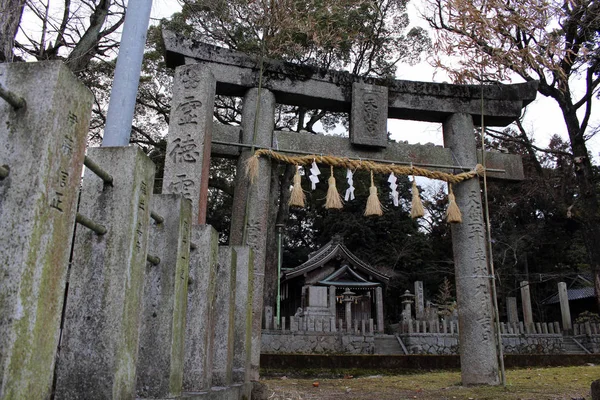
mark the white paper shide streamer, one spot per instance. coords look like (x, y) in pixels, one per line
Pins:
(314, 178)
(350, 190)
(393, 186)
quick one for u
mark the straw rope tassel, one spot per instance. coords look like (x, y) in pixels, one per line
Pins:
(252, 167)
(297, 196)
(373, 204)
(333, 200)
(416, 210)
(453, 214)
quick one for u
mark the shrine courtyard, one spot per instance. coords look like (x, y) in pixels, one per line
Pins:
(524, 383)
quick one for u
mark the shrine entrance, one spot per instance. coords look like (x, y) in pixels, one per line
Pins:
(204, 70)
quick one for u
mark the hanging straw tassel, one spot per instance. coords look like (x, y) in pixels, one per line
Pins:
(417, 210)
(297, 196)
(373, 204)
(333, 200)
(453, 214)
(252, 168)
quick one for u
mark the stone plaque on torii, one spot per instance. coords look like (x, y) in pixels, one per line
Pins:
(205, 70)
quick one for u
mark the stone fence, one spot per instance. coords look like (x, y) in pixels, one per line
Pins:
(119, 306)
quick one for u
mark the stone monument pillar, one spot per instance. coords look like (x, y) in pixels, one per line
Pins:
(526, 301)
(379, 306)
(43, 146)
(187, 160)
(419, 300)
(251, 201)
(348, 308)
(511, 310)
(332, 301)
(565, 311)
(478, 341)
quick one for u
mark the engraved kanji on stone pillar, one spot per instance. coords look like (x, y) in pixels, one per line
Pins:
(478, 342)
(368, 119)
(187, 160)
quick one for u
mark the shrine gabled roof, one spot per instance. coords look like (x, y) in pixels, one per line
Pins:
(355, 279)
(329, 252)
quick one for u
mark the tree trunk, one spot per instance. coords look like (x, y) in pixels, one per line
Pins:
(10, 18)
(587, 204)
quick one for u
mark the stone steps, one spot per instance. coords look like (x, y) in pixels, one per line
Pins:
(387, 345)
(571, 347)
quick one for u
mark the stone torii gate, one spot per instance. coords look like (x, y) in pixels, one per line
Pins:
(204, 70)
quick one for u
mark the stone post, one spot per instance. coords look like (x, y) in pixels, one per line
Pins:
(224, 323)
(419, 300)
(348, 308)
(332, 300)
(243, 314)
(99, 347)
(254, 200)
(511, 309)
(526, 301)
(379, 306)
(43, 146)
(201, 309)
(187, 160)
(565, 311)
(479, 358)
(162, 334)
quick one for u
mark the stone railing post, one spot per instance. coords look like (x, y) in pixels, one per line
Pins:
(160, 363)
(99, 348)
(187, 159)
(42, 149)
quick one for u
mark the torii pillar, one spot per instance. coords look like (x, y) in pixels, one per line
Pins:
(479, 362)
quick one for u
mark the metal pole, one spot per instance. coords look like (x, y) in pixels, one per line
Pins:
(88, 223)
(127, 74)
(3, 172)
(279, 260)
(15, 101)
(95, 168)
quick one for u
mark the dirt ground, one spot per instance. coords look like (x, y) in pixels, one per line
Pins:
(534, 383)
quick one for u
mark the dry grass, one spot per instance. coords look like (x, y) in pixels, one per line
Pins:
(534, 383)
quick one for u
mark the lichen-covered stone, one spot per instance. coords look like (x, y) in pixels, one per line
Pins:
(43, 146)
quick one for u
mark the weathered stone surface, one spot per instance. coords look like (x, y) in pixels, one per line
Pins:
(511, 309)
(331, 90)
(368, 118)
(162, 334)
(102, 317)
(479, 365)
(526, 302)
(224, 323)
(43, 146)
(419, 300)
(317, 296)
(316, 342)
(244, 284)
(198, 357)
(432, 157)
(257, 196)
(379, 308)
(187, 159)
(565, 311)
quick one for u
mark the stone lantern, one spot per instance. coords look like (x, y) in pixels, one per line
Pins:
(407, 300)
(348, 299)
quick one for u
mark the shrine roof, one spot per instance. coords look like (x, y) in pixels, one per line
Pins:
(333, 249)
